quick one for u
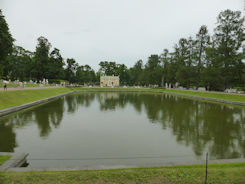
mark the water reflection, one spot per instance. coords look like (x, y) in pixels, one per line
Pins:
(50, 114)
(75, 100)
(45, 116)
(219, 129)
(7, 137)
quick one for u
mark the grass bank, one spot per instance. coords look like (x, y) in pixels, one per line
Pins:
(217, 173)
(216, 95)
(19, 97)
(4, 158)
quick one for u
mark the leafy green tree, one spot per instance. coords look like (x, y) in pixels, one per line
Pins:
(122, 71)
(6, 43)
(212, 73)
(185, 61)
(41, 58)
(172, 66)
(165, 61)
(85, 74)
(202, 43)
(71, 70)
(136, 74)
(153, 70)
(20, 64)
(229, 38)
(55, 65)
(107, 68)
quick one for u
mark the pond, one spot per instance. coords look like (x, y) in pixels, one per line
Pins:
(120, 128)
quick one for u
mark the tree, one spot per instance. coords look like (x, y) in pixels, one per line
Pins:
(85, 74)
(55, 68)
(6, 43)
(202, 43)
(41, 58)
(185, 57)
(165, 61)
(229, 39)
(153, 70)
(107, 68)
(172, 66)
(71, 70)
(136, 74)
(20, 64)
(122, 71)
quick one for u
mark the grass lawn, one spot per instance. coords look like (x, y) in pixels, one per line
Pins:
(222, 96)
(217, 174)
(19, 97)
(4, 158)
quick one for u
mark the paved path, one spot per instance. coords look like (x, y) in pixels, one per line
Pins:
(30, 88)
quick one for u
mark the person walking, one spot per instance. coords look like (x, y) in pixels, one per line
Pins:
(5, 86)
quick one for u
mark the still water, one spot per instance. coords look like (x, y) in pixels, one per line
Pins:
(91, 129)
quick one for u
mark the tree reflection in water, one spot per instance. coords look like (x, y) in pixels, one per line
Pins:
(217, 128)
(7, 137)
(45, 116)
(203, 125)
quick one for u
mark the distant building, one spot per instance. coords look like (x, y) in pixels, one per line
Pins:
(109, 81)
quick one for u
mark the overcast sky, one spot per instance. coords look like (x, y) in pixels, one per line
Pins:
(124, 31)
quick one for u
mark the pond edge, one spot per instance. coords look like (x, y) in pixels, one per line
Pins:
(109, 167)
(173, 94)
(10, 110)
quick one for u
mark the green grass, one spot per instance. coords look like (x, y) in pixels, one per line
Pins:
(19, 97)
(217, 174)
(4, 158)
(221, 96)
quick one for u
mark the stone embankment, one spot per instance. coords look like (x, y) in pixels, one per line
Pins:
(17, 160)
(24, 106)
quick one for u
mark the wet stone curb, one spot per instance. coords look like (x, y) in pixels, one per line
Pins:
(5, 112)
(16, 161)
(102, 167)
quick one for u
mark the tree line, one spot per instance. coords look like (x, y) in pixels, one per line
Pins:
(215, 62)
